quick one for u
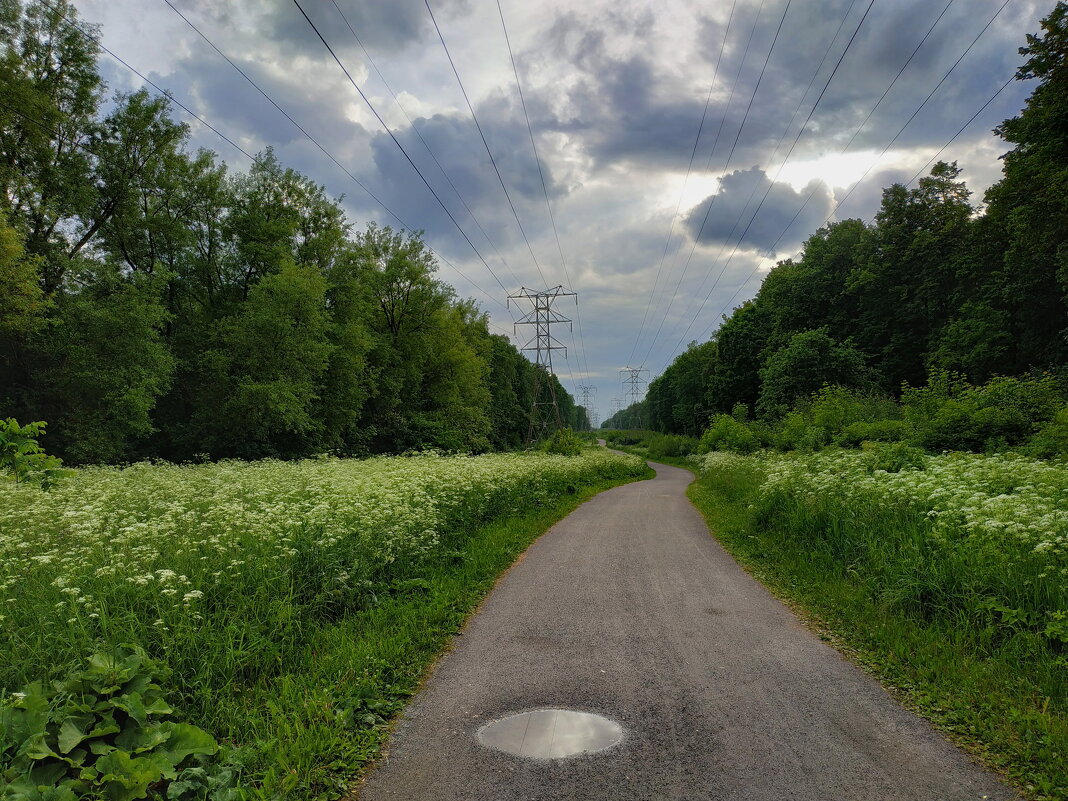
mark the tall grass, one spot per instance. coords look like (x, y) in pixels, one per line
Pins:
(951, 579)
(281, 594)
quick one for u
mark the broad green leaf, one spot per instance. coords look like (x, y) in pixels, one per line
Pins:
(73, 730)
(105, 725)
(133, 705)
(158, 707)
(37, 748)
(186, 740)
(138, 739)
(125, 778)
(100, 747)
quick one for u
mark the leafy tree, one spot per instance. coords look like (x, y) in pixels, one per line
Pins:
(1028, 208)
(740, 341)
(21, 299)
(50, 91)
(268, 371)
(100, 366)
(903, 288)
(811, 360)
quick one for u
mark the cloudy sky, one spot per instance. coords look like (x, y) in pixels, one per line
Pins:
(659, 237)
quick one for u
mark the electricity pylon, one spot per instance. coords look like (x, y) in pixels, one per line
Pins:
(587, 391)
(632, 378)
(543, 413)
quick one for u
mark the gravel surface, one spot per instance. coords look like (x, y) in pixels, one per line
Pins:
(629, 609)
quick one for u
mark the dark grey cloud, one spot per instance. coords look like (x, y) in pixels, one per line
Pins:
(627, 108)
(455, 142)
(384, 27)
(733, 211)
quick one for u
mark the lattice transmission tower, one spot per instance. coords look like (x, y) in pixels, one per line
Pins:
(588, 391)
(634, 382)
(544, 413)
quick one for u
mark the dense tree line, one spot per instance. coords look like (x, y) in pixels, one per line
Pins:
(936, 284)
(154, 303)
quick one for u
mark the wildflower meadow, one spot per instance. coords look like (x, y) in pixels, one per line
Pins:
(947, 574)
(237, 576)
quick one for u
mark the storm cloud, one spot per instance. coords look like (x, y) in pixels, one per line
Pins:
(616, 94)
(750, 211)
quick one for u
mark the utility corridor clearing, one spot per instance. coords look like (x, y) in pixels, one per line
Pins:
(629, 609)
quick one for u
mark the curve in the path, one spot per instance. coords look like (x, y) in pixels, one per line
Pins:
(629, 609)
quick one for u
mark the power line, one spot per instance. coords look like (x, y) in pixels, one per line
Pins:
(778, 172)
(422, 139)
(693, 248)
(544, 188)
(752, 99)
(741, 127)
(894, 139)
(686, 180)
(919, 108)
(964, 127)
(162, 92)
(327, 153)
(919, 172)
(396, 141)
(482, 135)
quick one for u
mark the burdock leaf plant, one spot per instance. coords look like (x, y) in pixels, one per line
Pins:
(105, 732)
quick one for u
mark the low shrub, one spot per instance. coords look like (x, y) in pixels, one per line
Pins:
(104, 733)
(894, 457)
(951, 414)
(1052, 439)
(625, 436)
(726, 433)
(671, 445)
(22, 458)
(876, 431)
(563, 441)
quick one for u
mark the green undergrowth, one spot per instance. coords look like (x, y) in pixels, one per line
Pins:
(318, 728)
(996, 690)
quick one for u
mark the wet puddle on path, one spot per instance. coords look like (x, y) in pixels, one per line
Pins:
(551, 733)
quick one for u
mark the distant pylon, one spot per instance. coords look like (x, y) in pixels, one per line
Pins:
(543, 413)
(632, 378)
(587, 391)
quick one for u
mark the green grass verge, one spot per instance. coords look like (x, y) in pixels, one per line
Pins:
(992, 699)
(310, 746)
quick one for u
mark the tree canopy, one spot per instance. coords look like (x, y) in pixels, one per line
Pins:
(154, 303)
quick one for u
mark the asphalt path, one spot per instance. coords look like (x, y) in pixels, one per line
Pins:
(628, 608)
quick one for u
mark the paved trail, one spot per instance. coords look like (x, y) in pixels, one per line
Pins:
(628, 608)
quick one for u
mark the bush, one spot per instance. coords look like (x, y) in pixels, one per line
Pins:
(1052, 440)
(835, 408)
(790, 431)
(728, 434)
(625, 437)
(663, 445)
(23, 459)
(810, 360)
(894, 457)
(952, 414)
(876, 431)
(563, 441)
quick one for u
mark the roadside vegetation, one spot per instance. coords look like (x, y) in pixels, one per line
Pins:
(945, 575)
(881, 435)
(292, 606)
